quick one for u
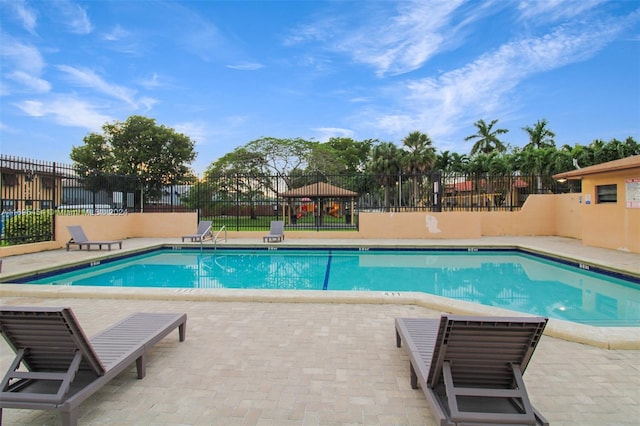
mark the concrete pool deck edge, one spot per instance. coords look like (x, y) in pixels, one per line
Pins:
(557, 247)
(602, 337)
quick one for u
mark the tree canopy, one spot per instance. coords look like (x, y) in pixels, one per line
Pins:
(156, 154)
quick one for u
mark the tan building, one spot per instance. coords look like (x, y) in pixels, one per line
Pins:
(28, 186)
(610, 203)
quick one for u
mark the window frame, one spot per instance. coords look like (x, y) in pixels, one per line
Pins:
(607, 194)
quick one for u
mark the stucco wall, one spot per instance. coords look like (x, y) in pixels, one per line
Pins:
(600, 225)
(610, 225)
(133, 225)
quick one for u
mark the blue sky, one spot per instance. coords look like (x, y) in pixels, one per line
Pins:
(228, 72)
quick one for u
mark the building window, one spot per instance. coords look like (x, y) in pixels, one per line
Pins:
(9, 179)
(606, 193)
(45, 205)
(46, 182)
(8, 205)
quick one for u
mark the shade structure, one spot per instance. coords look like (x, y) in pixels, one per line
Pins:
(320, 189)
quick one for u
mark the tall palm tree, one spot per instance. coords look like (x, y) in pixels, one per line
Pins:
(420, 157)
(539, 135)
(386, 162)
(487, 138)
(540, 139)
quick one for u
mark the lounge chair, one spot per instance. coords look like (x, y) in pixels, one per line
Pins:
(470, 368)
(204, 230)
(61, 366)
(276, 232)
(80, 239)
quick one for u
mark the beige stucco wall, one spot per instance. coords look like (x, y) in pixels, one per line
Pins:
(568, 215)
(600, 225)
(610, 225)
(116, 227)
(132, 225)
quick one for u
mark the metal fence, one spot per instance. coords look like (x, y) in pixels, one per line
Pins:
(34, 192)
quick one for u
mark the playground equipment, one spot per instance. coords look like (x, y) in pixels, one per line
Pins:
(307, 209)
(334, 210)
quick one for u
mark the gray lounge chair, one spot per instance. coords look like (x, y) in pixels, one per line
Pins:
(61, 366)
(80, 239)
(276, 232)
(203, 231)
(470, 368)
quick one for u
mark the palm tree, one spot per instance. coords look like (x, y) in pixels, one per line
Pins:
(487, 138)
(420, 157)
(539, 135)
(443, 161)
(386, 162)
(536, 151)
(459, 163)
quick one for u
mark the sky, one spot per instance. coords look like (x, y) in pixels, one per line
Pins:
(226, 73)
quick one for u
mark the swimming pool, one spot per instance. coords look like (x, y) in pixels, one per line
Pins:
(507, 279)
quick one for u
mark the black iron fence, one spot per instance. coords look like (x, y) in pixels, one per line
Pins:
(33, 192)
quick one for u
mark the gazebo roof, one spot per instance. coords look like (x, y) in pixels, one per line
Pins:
(320, 189)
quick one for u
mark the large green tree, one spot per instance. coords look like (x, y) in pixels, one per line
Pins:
(240, 175)
(486, 139)
(156, 154)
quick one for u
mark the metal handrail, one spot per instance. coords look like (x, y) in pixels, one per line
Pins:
(215, 239)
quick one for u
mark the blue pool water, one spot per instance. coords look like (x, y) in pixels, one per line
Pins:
(505, 279)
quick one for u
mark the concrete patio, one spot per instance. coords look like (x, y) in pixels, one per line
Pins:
(321, 362)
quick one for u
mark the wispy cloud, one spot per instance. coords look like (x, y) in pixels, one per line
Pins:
(29, 81)
(391, 44)
(197, 131)
(72, 16)
(22, 12)
(246, 66)
(121, 40)
(554, 10)
(323, 134)
(21, 56)
(483, 87)
(116, 34)
(22, 67)
(407, 40)
(66, 111)
(152, 82)
(87, 78)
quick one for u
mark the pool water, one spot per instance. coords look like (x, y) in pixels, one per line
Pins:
(510, 280)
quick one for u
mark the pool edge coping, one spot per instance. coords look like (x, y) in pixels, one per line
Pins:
(601, 337)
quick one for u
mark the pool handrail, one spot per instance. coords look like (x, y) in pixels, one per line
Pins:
(215, 238)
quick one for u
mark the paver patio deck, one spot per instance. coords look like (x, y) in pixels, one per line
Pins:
(255, 363)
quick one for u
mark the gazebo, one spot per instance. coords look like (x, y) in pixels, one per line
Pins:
(320, 192)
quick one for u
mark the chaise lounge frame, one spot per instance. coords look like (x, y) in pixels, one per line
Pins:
(64, 367)
(203, 231)
(276, 232)
(79, 238)
(470, 368)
